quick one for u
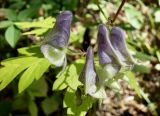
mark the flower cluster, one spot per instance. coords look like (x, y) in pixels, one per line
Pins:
(112, 51)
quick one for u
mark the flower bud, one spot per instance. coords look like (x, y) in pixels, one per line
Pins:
(88, 75)
(89, 78)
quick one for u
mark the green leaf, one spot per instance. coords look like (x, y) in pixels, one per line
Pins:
(49, 105)
(38, 88)
(12, 35)
(135, 18)
(20, 101)
(133, 83)
(5, 24)
(70, 101)
(141, 68)
(44, 23)
(15, 66)
(33, 50)
(36, 32)
(10, 14)
(69, 77)
(26, 14)
(33, 108)
(142, 56)
(35, 71)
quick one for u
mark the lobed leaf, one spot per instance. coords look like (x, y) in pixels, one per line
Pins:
(15, 66)
(69, 78)
(45, 23)
(34, 72)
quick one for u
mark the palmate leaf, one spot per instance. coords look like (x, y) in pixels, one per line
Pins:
(45, 23)
(36, 32)
(12, 67)
(70, 76)
(35, 71)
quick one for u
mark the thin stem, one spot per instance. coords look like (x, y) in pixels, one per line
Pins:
(119, 9)
(101, 9)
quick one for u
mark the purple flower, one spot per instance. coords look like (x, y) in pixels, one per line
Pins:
(118, 42)
(59, 35)
(55, 44)
(113, 49)
(113, 53)
(106, 51)
(88, 75)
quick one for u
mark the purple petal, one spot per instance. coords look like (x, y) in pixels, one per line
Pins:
(119, 44)
(88, 75)
(59, 35)
(105, 49)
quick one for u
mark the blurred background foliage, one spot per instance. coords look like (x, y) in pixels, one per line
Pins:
(24, 23)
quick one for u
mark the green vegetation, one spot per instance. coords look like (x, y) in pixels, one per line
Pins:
(30, 84)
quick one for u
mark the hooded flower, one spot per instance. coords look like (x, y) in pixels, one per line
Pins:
(55, 43)
(118, 42)
(89, 77)
(113, 52)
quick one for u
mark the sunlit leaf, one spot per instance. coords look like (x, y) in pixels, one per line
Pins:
(15, 66)
(133, 83)
(30, 51)
(45, 23)
(34, 72)
(36, 32)
(69, 77)
(135, 18)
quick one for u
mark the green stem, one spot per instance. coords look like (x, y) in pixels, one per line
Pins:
(97, 2)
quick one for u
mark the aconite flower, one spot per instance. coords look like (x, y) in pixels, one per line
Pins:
(89, 77)
(55, 43)
(112, 48)
(113, 52)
